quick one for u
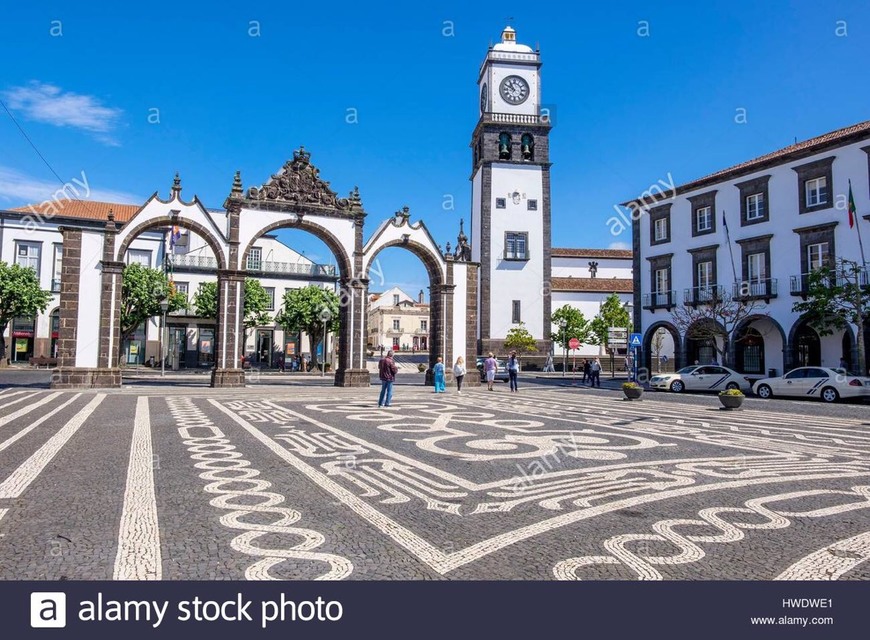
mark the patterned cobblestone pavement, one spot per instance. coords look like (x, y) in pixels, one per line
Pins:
(319, 483)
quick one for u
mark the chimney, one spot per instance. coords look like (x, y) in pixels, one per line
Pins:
(420, 299)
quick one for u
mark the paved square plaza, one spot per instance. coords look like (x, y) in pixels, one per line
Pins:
(307, 482)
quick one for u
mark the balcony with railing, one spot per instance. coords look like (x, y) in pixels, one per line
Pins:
(696, 296)
(516, 118)
(198, 262)
(755, 290)
(659, 300)
(800, 284)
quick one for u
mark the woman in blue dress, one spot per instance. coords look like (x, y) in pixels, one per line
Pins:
(439, 376)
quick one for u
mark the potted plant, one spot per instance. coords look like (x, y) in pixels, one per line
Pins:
(632, 390)
(731, 398)
(422, 367)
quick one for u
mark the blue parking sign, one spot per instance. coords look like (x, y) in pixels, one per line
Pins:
(635, 341)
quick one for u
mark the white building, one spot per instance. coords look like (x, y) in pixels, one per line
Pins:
(584, 278)
(786, 215)
(397, 321)
(30, 236)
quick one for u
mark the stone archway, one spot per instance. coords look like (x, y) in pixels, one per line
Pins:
(759, 344)
(415, 237)
(297, 197)
(671, 347)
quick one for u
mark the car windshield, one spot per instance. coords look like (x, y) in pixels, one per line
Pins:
(687, 369)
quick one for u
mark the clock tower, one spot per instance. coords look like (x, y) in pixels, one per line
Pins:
(510, 196)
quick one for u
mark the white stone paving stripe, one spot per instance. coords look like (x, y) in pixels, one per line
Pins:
(138, 555)
(30, 469)
(10, 441)
(403, 536)
(9, 404)
(832, 561)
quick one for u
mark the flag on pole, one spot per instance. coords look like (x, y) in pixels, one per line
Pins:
(174, 236)
(853, 210)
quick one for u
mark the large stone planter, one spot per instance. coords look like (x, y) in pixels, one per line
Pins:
(633, 393)
(731, 402)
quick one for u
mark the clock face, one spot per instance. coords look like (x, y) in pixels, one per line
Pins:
(483, 97)
(514, 90)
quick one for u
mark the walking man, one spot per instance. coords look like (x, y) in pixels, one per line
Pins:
(489, 367)
(387, 371)
(595, 369)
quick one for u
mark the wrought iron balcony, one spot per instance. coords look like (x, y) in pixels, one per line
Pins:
(659, 300)
(704, 295)
(208, 263)
(800, 284)
(421, 332)
(755, 289)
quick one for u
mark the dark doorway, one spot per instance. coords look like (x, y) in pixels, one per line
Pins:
(807, 348)
(749, 351)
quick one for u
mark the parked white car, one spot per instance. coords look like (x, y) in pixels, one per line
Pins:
(826, 384)
(705, 377)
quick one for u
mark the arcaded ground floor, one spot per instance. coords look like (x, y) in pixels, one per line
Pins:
(301, 481)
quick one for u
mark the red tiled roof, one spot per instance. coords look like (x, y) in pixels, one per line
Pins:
(86, 209)
(796, 151)
(611, 285)
(591, 253)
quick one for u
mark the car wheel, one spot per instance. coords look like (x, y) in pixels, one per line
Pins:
(732, 385)
(829, 394)
(764, 392)
(677, 386)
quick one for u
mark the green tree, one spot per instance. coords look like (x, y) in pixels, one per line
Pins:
(520, 340)
(20, 296)
(256, 303)
(142, 291)
(571, 323)
(838, 295)
(304, 311)
(611, 314)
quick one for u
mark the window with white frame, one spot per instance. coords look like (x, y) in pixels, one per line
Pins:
(662, 280)
(755, 206)
(705, 275)
(139, 256)
(661, 229)
(57, 267)
(516, 246)
(395, 299)
(756, 267)
(703, 219)
(255, 258)
(270, 291)
(27, 255)
(817, 255)
(816, 191)
(424, 325)
(396, 324)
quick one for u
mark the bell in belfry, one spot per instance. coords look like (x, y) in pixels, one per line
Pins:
(504, 146)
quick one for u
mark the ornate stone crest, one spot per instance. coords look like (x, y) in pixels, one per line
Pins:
(299, 183)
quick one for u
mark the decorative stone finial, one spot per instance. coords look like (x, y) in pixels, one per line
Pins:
(111, 216)
(236, 191)
(176, 185)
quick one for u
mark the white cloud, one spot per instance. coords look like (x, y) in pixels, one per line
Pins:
(47, 103)
(19, 189)
(619, 245)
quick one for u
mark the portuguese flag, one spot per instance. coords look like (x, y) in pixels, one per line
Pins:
(853, 210)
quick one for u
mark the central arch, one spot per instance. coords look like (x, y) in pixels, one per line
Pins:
(415, 237)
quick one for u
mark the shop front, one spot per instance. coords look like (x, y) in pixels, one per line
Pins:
(23, 335)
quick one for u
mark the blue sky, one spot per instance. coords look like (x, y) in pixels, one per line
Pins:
(629, 109)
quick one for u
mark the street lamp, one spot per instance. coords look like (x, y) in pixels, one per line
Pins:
(325, 317)
(164, 307)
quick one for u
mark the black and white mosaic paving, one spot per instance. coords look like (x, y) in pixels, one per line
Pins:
(319, 483)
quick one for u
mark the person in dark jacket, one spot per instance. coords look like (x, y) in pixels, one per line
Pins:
(587, 371)
(387, 371)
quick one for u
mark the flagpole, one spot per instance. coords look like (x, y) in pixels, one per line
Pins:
(854, 211)
(730, 248)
